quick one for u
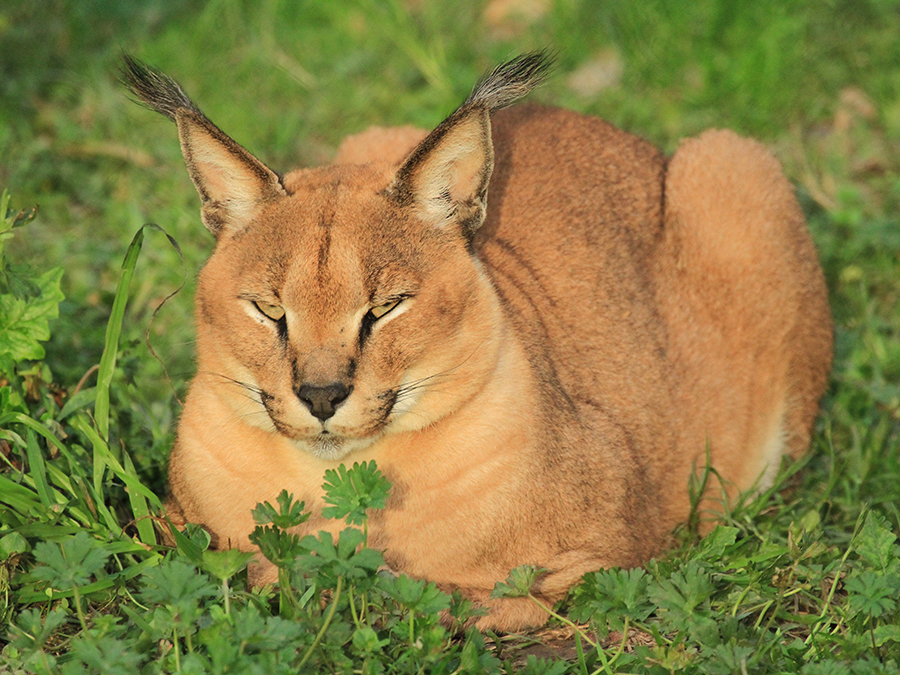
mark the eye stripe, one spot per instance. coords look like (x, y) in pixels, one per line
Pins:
(365, 328)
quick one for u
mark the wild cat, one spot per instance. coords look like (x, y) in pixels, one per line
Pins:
(534, 322)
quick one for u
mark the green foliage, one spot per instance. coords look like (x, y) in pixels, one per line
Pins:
(416, 595)
(289, 513)
(683, 602)
(176, 584)
(225, 564)
(346, 557)
(70, 564)
(271, 535)
(353, 492)
(873, 594)
(616, 597)
(28, 301)
(776, 610)
(25, 322)
(875, 543)
(519, 582)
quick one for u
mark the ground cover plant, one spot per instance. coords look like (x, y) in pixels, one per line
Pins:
(803, 579)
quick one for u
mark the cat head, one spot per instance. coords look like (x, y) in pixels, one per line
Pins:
(345, 302)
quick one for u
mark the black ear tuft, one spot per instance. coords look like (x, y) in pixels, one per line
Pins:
(154, 88)
(512, 80)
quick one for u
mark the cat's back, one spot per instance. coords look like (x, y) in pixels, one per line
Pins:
(592, 181)
(574, 215)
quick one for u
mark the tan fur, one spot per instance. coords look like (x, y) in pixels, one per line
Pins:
(390, 145)
(613, 316)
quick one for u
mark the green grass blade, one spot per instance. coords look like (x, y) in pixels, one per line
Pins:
(91, 505)
(47, 532)
(103, 453)
(99, 469)
(78, 507)
(129, 547)
(24, 500)
(137, 619)
(139, 507)
(25, 420)
(80, 400)
(113, 332)
(191, 550)
(37, 469)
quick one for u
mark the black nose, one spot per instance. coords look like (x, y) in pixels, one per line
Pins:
(322, 401)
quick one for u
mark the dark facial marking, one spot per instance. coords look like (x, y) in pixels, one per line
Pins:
(282, 327)
(326, 219)
(324, 251)
(365, 328)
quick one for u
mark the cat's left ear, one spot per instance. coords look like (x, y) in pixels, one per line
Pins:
(445, 179)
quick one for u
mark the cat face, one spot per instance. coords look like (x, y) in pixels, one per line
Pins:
(335, 316)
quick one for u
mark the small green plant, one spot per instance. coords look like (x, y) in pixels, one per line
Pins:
(69, 566)
(277, 544)
(350, 494)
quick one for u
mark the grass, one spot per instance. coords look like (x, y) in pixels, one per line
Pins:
(803, 579)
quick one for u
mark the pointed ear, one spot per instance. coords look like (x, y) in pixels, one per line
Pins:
(445, 179)
(232, 183)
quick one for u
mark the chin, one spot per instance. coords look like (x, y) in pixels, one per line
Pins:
(330, 447)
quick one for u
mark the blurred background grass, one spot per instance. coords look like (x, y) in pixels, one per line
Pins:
(817, 80)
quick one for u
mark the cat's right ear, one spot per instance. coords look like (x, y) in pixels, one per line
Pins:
(232, 183)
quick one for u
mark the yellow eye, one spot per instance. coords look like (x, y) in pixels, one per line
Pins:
(381, 310)
(274, 312)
